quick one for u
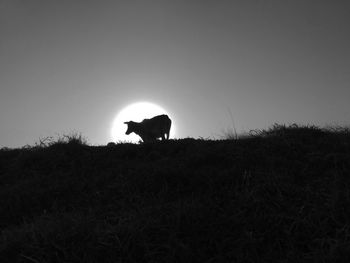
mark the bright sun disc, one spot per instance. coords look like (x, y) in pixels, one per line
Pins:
(136, 112)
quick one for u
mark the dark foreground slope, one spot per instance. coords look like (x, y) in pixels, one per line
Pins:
(280, 196)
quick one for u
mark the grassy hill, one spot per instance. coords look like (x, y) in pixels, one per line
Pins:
(281, 195)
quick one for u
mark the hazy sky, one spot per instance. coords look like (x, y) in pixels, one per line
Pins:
(71, 65)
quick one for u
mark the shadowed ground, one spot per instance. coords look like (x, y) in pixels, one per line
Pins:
(280, 195)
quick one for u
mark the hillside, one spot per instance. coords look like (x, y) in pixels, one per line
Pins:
(280, 195)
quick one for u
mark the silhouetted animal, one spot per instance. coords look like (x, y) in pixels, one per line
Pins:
(151, 129)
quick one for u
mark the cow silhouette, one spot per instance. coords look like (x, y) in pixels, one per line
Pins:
(151, 129)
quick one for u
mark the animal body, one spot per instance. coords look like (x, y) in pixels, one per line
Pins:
(151, 129)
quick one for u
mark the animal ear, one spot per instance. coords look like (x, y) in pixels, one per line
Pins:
(126, 122)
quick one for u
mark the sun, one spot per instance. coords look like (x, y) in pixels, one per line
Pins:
(136, 112)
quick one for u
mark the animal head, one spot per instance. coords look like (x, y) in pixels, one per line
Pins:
(131, 127)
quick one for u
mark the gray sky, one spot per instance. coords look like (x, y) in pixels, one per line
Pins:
(71, 65)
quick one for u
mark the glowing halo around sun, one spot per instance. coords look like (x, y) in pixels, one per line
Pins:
(136, 112)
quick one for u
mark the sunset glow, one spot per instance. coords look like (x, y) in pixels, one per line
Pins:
(136, 112)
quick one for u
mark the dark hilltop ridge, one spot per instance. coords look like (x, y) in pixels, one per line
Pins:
(278, 195)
